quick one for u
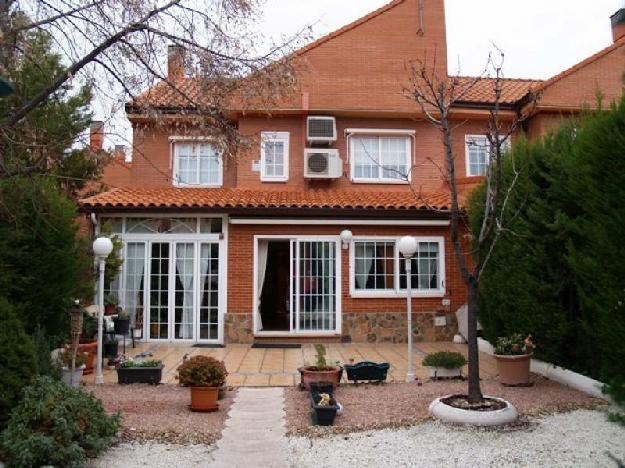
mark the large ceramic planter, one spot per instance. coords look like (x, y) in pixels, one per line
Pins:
(444, 373)
(72, 379)
(450, 414)
(308, 376)
(90, 349)
(514, 370)
(367, 370)
(144, 375)
(204, 399)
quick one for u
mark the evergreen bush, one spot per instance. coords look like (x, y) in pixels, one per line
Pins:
(17, 359)
(55, 424)
(557, 271)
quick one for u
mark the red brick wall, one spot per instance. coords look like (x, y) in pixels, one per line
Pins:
(241, 267)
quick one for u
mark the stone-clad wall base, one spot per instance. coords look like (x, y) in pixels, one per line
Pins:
(391, 327)
(238, 328)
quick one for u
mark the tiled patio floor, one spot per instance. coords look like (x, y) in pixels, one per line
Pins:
(255, 367)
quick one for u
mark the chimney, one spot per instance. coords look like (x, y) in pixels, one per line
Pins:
(175, 62)
(96, 135)
(618, 24)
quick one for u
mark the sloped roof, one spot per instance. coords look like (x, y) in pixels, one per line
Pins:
(483, 91)
(225, 198)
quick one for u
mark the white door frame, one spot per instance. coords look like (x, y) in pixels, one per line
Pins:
(337, 292)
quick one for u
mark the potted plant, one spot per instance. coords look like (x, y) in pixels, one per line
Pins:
(121, 322)
(88, 343)
(321, 371)
(367, 370)
(110, 304)
(204, 375)
(72, 379)
(513, 354)
(324, 405)
(147, 372)
(444, 364)
(110, 346)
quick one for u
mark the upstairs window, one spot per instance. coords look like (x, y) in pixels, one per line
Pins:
(274, 156)
(197, 165)
(381, 159)
(478, 154)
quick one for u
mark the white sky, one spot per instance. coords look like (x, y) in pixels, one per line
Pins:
(539, 37)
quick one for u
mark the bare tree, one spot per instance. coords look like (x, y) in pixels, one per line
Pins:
(117, 47)
(437, 98)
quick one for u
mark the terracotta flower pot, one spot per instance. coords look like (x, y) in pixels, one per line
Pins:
(90, 349)
(309, 375)
(204, 399)
(514, 370)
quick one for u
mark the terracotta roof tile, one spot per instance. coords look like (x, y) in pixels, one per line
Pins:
(224, 198)
(513, 89)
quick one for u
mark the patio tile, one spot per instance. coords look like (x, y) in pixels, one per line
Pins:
(282, 380)
(257, 380)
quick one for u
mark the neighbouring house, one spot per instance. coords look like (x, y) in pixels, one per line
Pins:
(295, 238)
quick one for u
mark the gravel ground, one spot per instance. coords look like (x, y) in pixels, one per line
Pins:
(399, 405)
(160, 413)
(154, 455)
(580, 438)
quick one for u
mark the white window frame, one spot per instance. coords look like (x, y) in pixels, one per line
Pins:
(380, 134)
(196, 144)
(396, 292)
(468, 139)
(267, 137)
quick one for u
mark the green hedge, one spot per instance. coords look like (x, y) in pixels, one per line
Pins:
(55, 424)
(558, 272)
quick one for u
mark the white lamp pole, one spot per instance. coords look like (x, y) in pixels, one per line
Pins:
(102, 247)
(407, 247)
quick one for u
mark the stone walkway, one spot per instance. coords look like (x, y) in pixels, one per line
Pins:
(254, 434)
(253, 367)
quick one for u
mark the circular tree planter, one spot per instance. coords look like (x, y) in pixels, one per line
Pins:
(497, 412)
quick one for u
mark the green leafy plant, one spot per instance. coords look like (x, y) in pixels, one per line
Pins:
(17, 359)
(202, 371)
(148, 363)
(65, 359)
(122, 314)
(445, 359)
(89, 328)
(617, 391)
(110, 300)
(55, 424)
(514, 345)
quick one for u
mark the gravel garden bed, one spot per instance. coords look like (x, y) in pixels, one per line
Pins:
(400, 404)
(160, 413)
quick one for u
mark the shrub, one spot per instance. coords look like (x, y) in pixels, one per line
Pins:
(55, 424)
(445, 359)
(17, 359)
(65, 359)
(202, 371)
(89, 328)
(147, 363)
(43, 349)
(617, 391)
(514, 345)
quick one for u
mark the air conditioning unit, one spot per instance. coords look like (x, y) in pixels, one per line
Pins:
(321, 129)
(322, 163)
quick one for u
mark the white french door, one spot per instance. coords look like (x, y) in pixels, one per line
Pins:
(315, 286)
(183, 293)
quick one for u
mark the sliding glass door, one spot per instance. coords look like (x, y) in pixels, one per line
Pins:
(158, 292)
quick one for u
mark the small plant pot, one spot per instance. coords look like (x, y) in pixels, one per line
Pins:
(121, 326)
(367, 370)
(73, 379)
(444, 373)
(323, 415)
(144, 375)
(137, 333)
(204, 399)
(308, 376)
(109, 309)
(90, 349)
(111, 349)
(514, 370)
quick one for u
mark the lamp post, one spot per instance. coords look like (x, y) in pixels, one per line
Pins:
(407, 247)
(102, 247)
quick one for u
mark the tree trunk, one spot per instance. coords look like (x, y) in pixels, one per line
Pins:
(475, 392)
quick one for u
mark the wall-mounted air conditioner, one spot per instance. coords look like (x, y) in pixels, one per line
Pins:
(321, 129)
(321, 163)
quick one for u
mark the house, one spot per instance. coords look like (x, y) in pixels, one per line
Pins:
(295, 238)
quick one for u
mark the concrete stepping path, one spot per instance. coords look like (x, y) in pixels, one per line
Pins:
(254, 433)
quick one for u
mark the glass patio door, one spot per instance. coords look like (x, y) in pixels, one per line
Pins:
(158, 324)
(314, 285)
(208, 313)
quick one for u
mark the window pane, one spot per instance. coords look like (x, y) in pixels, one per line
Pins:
(366, 156)
(478, 149)
(198, 164)
(374, 265)
(274, 157)
(394, 157)
(425, 268)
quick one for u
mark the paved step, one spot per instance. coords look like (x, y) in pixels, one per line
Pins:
(254, 430)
